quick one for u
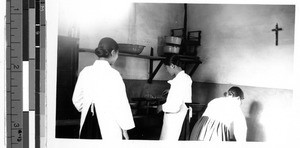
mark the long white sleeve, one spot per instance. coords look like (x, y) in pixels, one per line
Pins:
(174, 100)
(78, 94)
(123, 110)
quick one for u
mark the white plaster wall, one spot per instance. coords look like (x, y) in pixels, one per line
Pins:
(142, 23)
(238, 46)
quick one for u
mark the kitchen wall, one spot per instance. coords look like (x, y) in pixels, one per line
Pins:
(144, 24)
(238, 48)
(238, 45)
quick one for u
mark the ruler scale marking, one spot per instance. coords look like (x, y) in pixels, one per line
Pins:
(14, 124)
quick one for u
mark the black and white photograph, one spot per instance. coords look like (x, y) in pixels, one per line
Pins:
(154, 73)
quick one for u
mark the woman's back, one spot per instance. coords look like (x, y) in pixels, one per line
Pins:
(223, 119)
(223, 109)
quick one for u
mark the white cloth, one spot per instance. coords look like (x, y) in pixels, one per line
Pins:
(228, 111)
(175, 108)
(102, 85)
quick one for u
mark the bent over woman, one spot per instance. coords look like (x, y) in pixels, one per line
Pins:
(223, 119)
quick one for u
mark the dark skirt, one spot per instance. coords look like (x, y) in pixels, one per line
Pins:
(90, 128)
(207, 129)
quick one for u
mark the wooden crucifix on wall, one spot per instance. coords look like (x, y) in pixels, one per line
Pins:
(276, 29)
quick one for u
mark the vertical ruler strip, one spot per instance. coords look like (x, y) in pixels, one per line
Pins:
(25, 74)
(26, 129)
(37, 73)
(25, 30)
(8, 76)
(32, 129)
(32, 73)
(25, 104)
(14, 74)
(42, 71)
(2, 75)
(32, 55)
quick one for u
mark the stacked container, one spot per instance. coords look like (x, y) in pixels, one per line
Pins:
(172, 44)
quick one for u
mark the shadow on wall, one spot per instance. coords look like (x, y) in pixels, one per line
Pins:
(255, 128)
(203, 92)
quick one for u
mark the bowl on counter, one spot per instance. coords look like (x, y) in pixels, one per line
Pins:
(130, 48)
(173, 40)
(171, 49)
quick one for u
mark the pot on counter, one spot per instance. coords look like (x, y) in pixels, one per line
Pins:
(171, 49)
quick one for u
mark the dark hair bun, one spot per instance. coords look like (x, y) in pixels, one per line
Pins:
(105, 46)
(101, 52)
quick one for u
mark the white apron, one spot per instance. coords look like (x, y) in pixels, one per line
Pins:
(172, 124)
(175, 108)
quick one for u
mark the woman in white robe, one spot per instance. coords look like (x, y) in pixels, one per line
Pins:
(223, 119)
(100, 96)
(180, 93)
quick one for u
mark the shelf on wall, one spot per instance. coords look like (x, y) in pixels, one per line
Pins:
(188, 59)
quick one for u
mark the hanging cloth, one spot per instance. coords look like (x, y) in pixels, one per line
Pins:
(90, 128)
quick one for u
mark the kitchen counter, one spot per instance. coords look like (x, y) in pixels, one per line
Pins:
(149, 122)
(145, 106)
